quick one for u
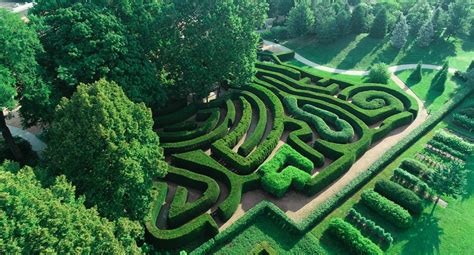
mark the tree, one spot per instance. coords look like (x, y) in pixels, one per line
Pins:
(280, 7)
(301, 18)
(450, 181)
(105, 145)
(458, 17)
(380, 25)
(471, 31)
(439, 20)
(440, 78)
(18, 71)
(84, 43)
(400, 33)
(471, 66)
(343, 22)
(418, 15)
(425, 35)
(208, 44)
(361, 18)
(417, 74)
(39, 220)
(325, 22)
(379, 73)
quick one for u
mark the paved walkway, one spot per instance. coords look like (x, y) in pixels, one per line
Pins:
(274, 47)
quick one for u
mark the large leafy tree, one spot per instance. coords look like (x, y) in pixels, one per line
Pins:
(105, 145)
(418, 15)
(84, 43)
(18, 72)
(325, 25)
(301, 18)
(380, 25)
(208, 44)
(39, 220)
(450, 181)
(426, 34)
(458, 17)
(361, 19)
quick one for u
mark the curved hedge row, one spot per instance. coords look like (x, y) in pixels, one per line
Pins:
(299, 134)
(352, 238)
(296, 173)
(181, 135)
(318, 118)
(246, 165)
(400, 195)
(256, 136)
(202, 227)
(373, 100)
(389, 210)
(294, 74)
(175, 117)
(180, 211)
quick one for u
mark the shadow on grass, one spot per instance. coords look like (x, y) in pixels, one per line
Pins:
(332, 246)
(425, 239)
(470, 180)
(435, 54)
(363, 48)
(468, 44)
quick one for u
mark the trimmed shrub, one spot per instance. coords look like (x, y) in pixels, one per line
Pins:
(180, 211)
(296, 173)
(202, 227)
(256, 136)
(389, 210)
(352, 238)
(454, 142)
(178, 116)
(412, 182)
(369, 229)
(299, 134)
(285, 56)
(398, 194)
(414, 166)
(379, 73)
(209, 125)
(373, 100)
(279, 69)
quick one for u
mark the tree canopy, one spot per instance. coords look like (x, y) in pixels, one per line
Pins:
(39, 220)
(105, 145)
(301, 18)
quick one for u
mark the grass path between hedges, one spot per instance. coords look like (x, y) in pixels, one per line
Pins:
(449, 231)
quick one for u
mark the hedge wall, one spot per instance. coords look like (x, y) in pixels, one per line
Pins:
(389, 210)
(400, 195)
(257, 134)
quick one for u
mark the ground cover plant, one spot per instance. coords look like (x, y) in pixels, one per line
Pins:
(275, 135)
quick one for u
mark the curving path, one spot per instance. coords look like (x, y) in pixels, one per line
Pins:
(275, 47)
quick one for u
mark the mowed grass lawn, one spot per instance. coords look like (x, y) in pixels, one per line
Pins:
(359, 52)
(433, 99)
(448, 231)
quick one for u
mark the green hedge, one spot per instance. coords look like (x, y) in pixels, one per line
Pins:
(369, 229)
(454, 142)
(279, 69)
(296, 174)
(180, 211)
(414, 166)
(373, 99)
(202, 227)
(175, 117)
(209, 125)
(299, 134)
(285, 56)
(182, 126)
(352, 238)
(246, 165)
(256, 136)
(389, 210)
(318, 118)
(200, 162)
(400, 195)
(411, 181)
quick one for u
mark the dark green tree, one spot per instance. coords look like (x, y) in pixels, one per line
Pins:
(459, 13)
(418, 15)
(50, 220)
(417, 74)
(84, 43)
(380, 25)
(208, 44)
(361, 19)
(449, 181)
(105, 144)
(325, 22)
(440, 78)
(301, 18)
(18, 72)
(400, 33)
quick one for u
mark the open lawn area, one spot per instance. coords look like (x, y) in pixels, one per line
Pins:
(433, 99)
(359, 52)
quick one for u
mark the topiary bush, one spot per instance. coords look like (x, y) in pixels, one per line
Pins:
(379, 73)
(389, 210)
(400, 195)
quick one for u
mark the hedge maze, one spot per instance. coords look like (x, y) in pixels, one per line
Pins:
(289, 129)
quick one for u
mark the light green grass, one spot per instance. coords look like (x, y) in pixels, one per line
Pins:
(360, 52)
(433, 99)
(448, 231)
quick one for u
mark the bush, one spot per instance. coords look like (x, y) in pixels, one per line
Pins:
(256, 136)
(414, 166)
(417, 74)
(369, 228)
(379, 73)
(390, 211)
(276, 32)
(398, 194)
(412, 182)
(279, 69)
(296, 174)
(352, 238)
(454, 142)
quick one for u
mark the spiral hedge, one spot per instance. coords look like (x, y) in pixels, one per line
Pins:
(289, 129)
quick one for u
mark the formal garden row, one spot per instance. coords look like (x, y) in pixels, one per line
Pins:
(221, 149)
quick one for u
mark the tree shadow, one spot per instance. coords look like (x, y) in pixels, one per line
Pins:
(435, 54)
(331, 245)
(363, 48)
(470, 181)
(425, 239)
(467, 44)
(433, 93)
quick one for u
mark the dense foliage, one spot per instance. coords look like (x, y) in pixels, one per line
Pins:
(39, 220)
(387, 209)
(379, 73)
(300, 18)
(105, 145)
